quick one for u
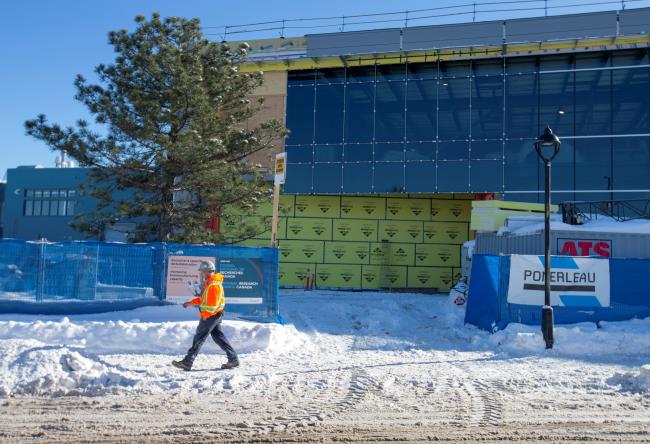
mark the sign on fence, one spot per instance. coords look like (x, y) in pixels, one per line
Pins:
(183, 277)
(243, 280)
(575, 281)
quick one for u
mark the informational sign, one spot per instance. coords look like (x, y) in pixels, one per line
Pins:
(280, 168)
(243, 280)
(575, 281)
(584, 247)
(183, 277)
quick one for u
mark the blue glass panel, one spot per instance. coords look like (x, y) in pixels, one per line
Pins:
(357, 177)
(521, 65)
(631, 95)
(299, 153)
(390, 107)
(632, 163)
(593, 102)
(487, 150)
(329, 113)
(359, 115)
(522, 168)
(327, 178)
(330, 75)
(421, 110)
(487, 107)
(630, 57)
(298, 179)
(454, 69)
(421, 151)
(593, 163)
(361, 152)
(454, 113)
(300, 121)
(522, 106)
(488, 67)
(389, 177)
(453, 177)
(328, 153)
(420, 177)
(422, 71)
(361, 74)
(592, 60)
(453, 150)
(486, 176)
(391, 72)
(389, 151)
(556, 103)
(556, 62)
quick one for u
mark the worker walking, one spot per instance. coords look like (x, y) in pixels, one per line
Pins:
(211, 306)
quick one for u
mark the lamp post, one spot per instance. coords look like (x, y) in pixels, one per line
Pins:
(547, 147)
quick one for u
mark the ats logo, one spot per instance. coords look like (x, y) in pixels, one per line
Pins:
(584, 247)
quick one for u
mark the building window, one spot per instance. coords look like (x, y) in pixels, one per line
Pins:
(49, 202)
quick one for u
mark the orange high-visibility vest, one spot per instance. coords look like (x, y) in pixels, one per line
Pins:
(212, 300)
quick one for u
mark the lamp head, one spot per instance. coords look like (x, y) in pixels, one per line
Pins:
(547, 145)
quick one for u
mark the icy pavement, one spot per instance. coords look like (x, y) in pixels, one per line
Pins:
(384, 365)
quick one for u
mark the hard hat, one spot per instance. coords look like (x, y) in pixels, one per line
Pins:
(218, 277)
(206, 266)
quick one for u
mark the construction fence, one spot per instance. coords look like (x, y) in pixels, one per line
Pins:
(55, 277)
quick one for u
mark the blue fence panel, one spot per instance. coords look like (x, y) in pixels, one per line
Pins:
(19, 269)
(40, 277)
(488, 307)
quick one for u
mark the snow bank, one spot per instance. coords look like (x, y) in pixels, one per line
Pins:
(131, 351)
(35, 369)
(584, 340)
(148, 337)
(635, 381)
(71, 357)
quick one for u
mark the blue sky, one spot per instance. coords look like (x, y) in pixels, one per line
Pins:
(45, 43)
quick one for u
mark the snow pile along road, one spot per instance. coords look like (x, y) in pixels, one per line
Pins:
(401, 341)
(64, 357)
(57, 370)
(634, 381)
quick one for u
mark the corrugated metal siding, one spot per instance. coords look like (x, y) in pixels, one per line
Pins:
(624, 245)
(490, 33)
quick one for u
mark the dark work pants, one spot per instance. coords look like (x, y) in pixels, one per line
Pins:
(210, 327)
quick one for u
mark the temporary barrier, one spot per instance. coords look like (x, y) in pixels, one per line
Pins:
(584, 292)
(81, 277)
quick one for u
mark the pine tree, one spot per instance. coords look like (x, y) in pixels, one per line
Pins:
(173, 108)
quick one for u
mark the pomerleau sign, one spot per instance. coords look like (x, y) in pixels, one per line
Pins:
(575, 281)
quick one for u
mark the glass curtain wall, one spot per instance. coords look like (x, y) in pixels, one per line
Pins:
(469, 126)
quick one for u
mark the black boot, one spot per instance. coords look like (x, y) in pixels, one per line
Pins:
(230, 364)
(182, 364)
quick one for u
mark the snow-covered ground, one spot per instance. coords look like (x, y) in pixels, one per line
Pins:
(346, 365)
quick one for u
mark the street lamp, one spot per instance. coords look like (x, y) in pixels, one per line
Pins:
(547, 147)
